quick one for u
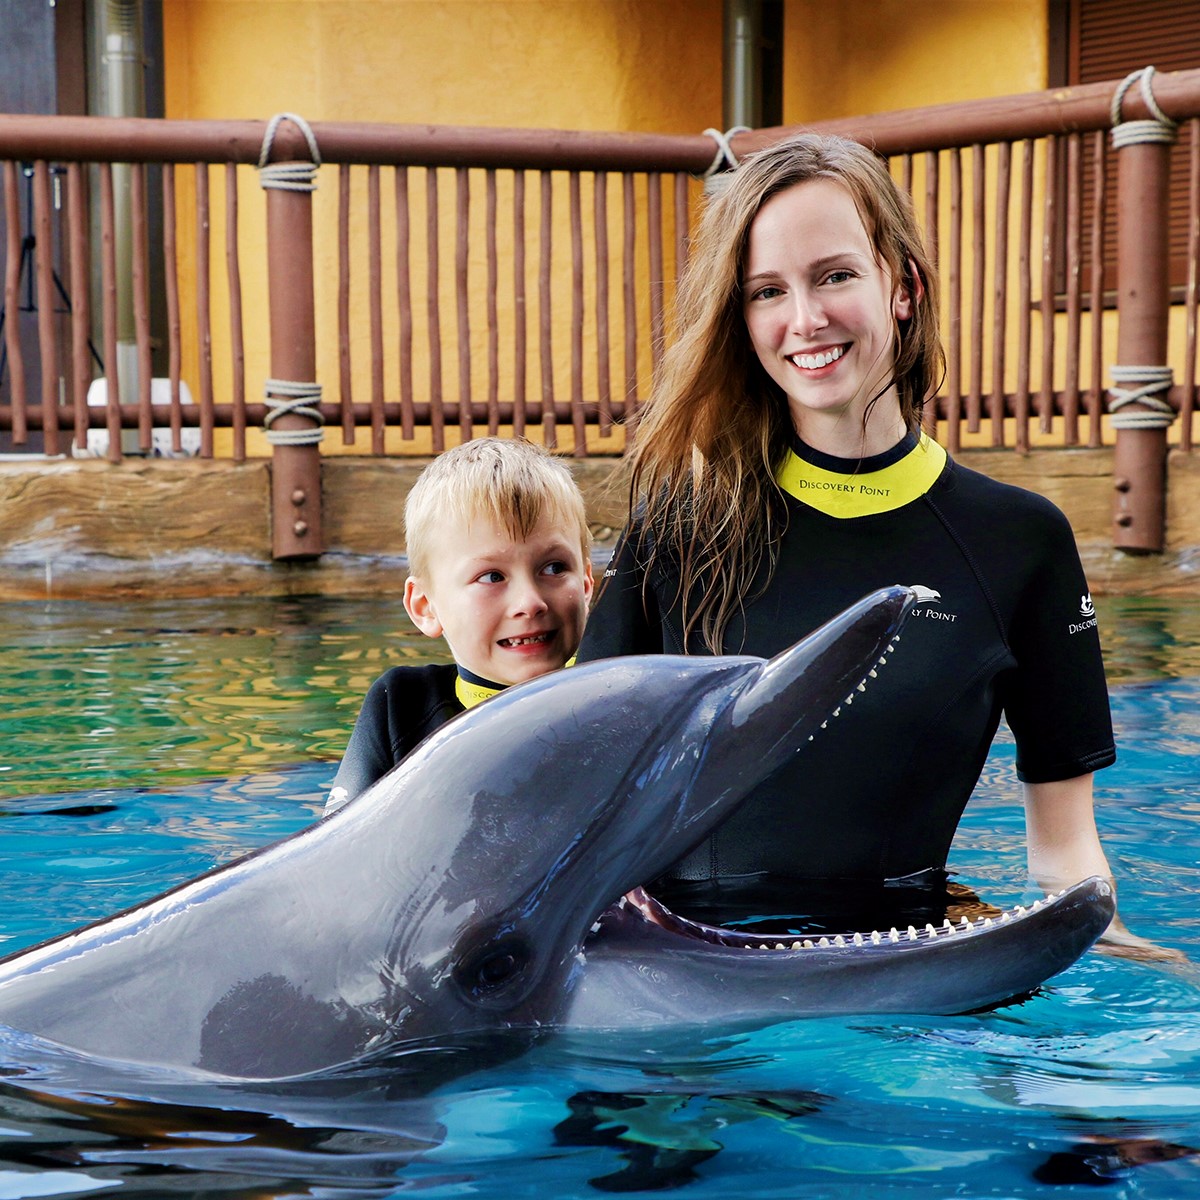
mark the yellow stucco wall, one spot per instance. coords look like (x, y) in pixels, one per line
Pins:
(873, 56)
(568, 64)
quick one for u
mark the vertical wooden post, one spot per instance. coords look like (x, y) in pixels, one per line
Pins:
(1140, 416)
(293, 423)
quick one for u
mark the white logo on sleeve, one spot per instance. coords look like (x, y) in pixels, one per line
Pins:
(1087, 613)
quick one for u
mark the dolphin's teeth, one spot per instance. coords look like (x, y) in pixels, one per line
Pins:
(1020, 910)
(1035, 906)
(882, 662)
(1005, 916)
(858, 939)
(839, 940)
(780, 946)
(795, 945)
(849, 699)
(894, 934)
(964, 923)
(808, 944)
(874, 674)
(987, 922)
(810, 737)
(876, 937)
(947, 926)
(836, 711)
(824, 724)
(862, 687)
(912, 934)
(929, 929)
(823, 942)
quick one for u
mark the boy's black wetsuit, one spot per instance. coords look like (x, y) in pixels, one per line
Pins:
(857, 831)
(401, 709)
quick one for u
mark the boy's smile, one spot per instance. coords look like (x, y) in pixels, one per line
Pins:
(509, 608)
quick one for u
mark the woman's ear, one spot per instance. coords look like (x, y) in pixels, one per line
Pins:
(909, 293)
(418, 603)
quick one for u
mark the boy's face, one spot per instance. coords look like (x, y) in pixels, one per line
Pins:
(509, 609)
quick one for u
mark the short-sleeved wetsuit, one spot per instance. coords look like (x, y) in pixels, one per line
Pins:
(873, 803)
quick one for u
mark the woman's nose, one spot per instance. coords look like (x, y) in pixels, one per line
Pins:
(808, 314)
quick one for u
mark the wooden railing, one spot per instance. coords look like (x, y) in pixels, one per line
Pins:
(513, 280)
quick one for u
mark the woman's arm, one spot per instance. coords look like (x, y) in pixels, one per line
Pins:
(1064, 847)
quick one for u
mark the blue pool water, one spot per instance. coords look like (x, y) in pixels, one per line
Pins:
(144, 744)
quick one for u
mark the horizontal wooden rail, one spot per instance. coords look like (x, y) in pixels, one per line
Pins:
(906, 131)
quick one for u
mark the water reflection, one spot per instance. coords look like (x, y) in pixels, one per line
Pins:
(99, 694)
(1149, 637)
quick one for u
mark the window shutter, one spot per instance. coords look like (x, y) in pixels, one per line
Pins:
(1106, 40)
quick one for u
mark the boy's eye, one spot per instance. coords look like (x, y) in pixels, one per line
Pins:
(492, 577)
(555, 568)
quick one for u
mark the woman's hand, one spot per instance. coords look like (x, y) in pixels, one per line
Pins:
(1063, 847)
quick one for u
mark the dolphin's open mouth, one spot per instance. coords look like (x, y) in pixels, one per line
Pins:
(654, 911)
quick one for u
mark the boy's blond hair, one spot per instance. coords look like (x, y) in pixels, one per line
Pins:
(508, 481)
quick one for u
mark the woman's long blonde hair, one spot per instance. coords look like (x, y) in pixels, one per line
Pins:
(717, 427)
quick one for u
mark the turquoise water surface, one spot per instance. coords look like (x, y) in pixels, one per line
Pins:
(143, 744)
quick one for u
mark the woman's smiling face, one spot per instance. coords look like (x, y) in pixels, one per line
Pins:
(821, 312)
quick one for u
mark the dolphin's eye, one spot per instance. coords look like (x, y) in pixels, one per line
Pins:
(488, 972)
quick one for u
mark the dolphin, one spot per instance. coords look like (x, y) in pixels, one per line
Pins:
(478, 888)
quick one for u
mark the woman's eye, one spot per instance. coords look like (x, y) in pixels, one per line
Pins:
(839, 276)
(766, 293)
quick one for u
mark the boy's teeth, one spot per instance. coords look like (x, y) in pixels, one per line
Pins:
(525, 641)
(810, 362)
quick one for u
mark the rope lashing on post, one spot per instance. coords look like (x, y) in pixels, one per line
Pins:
(724, 160)
(1137, 384)
(1157, 128)
(1140, 385)
(286, 397)
(289, 176)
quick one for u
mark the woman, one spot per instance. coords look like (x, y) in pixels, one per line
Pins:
(780, 475)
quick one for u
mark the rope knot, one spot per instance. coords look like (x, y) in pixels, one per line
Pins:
(1157, 128)
(287, 397)
(1140, 385)
(725, 159)
(289, 176)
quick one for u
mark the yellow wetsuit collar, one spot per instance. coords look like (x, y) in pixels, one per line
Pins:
(861, 487)
(472, 689)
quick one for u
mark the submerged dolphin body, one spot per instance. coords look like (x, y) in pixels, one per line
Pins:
(457, 895)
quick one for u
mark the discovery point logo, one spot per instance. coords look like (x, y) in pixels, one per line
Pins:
(1087, 610)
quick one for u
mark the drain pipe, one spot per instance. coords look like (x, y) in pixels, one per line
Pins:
(742, 91)
(122, 94)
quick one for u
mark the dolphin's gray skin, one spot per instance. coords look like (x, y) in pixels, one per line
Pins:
(456, 895)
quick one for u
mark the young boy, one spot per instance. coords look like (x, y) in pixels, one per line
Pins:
(499, 557)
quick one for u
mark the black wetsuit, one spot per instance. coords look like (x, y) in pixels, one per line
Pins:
(401, 709)
(865, 815)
